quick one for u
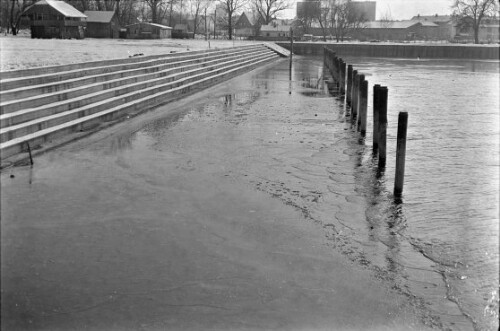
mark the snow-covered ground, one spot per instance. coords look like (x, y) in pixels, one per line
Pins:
(21, 52)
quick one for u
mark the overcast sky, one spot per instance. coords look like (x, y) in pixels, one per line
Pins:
(405, 9)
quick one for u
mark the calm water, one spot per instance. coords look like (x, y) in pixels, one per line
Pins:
(450, 209)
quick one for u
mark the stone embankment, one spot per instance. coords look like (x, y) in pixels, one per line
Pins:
(38, 105)
(424, 51)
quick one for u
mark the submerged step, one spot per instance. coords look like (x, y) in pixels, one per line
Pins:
(120, 95)
(44, 122)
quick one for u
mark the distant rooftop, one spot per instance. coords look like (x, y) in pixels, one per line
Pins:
(99, 16)
(396, 24)
(280, 28)
(62, 7)
(432, 18)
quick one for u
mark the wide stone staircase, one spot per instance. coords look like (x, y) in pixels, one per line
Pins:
(42, 104)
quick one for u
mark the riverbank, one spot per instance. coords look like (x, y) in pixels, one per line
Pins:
(199, 216)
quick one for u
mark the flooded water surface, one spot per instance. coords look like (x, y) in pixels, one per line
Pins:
(293, 141)
(451, 201)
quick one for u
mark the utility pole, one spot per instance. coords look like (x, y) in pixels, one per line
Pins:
(206, 32)
(180, 14)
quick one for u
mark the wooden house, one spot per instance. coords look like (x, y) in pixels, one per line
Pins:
(55, 19)
(102, 24)
(181, 31)
(145, 30)
(275, 32)
(244, 26)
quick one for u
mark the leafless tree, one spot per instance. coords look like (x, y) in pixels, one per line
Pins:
(197, 9)
(309, 12)
(268, 9)
(231, 7)
(158, 9)
(474, 11)
(386, 19)
(12, 11)
(339, 18)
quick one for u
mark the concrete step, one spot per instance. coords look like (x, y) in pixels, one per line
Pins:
(51, 121)
(37, 79)
(27, 91)
(29, 120)
(17, 145)
(281, 51)
(70, 94)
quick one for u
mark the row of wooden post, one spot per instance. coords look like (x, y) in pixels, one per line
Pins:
(354, 87)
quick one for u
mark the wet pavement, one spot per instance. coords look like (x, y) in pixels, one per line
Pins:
(219, 211)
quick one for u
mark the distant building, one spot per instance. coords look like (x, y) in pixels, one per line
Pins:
(55, 19)
(245, 26)
(446, 25)
(489, 30)
(144, 30)
(275, 32)
(102, 24)
(396, 31)
(181, 31)
(367, 9)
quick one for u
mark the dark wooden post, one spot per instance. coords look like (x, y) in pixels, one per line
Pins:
(353, 91)
(400, 154)
(354, 95)
(358, 102)
(349, 83)
(376, 91)
(382, 127)
(343, 76)
(363, 106)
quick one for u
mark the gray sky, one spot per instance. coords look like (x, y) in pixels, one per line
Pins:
(405, 9)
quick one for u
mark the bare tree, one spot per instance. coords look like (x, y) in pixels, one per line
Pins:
(158, 9)
(386, 19)
(474, 11)
(231, 7)
(268, 9)
(197, 8)
(308, 13)
(344, 18)
(14, 10)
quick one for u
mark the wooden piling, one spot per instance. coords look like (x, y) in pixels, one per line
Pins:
(358, 101)
(382, 127)
(354, 95)
(363, 107)
(349, 83)
(376, 91)
(343, 77)
(400, 154)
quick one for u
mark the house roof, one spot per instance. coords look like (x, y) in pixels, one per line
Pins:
(153, 24)
(392, 24)
(181, 26)
(99, 16)
(248, 17)
(62, 7)
(277, 28)
(432, 18)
